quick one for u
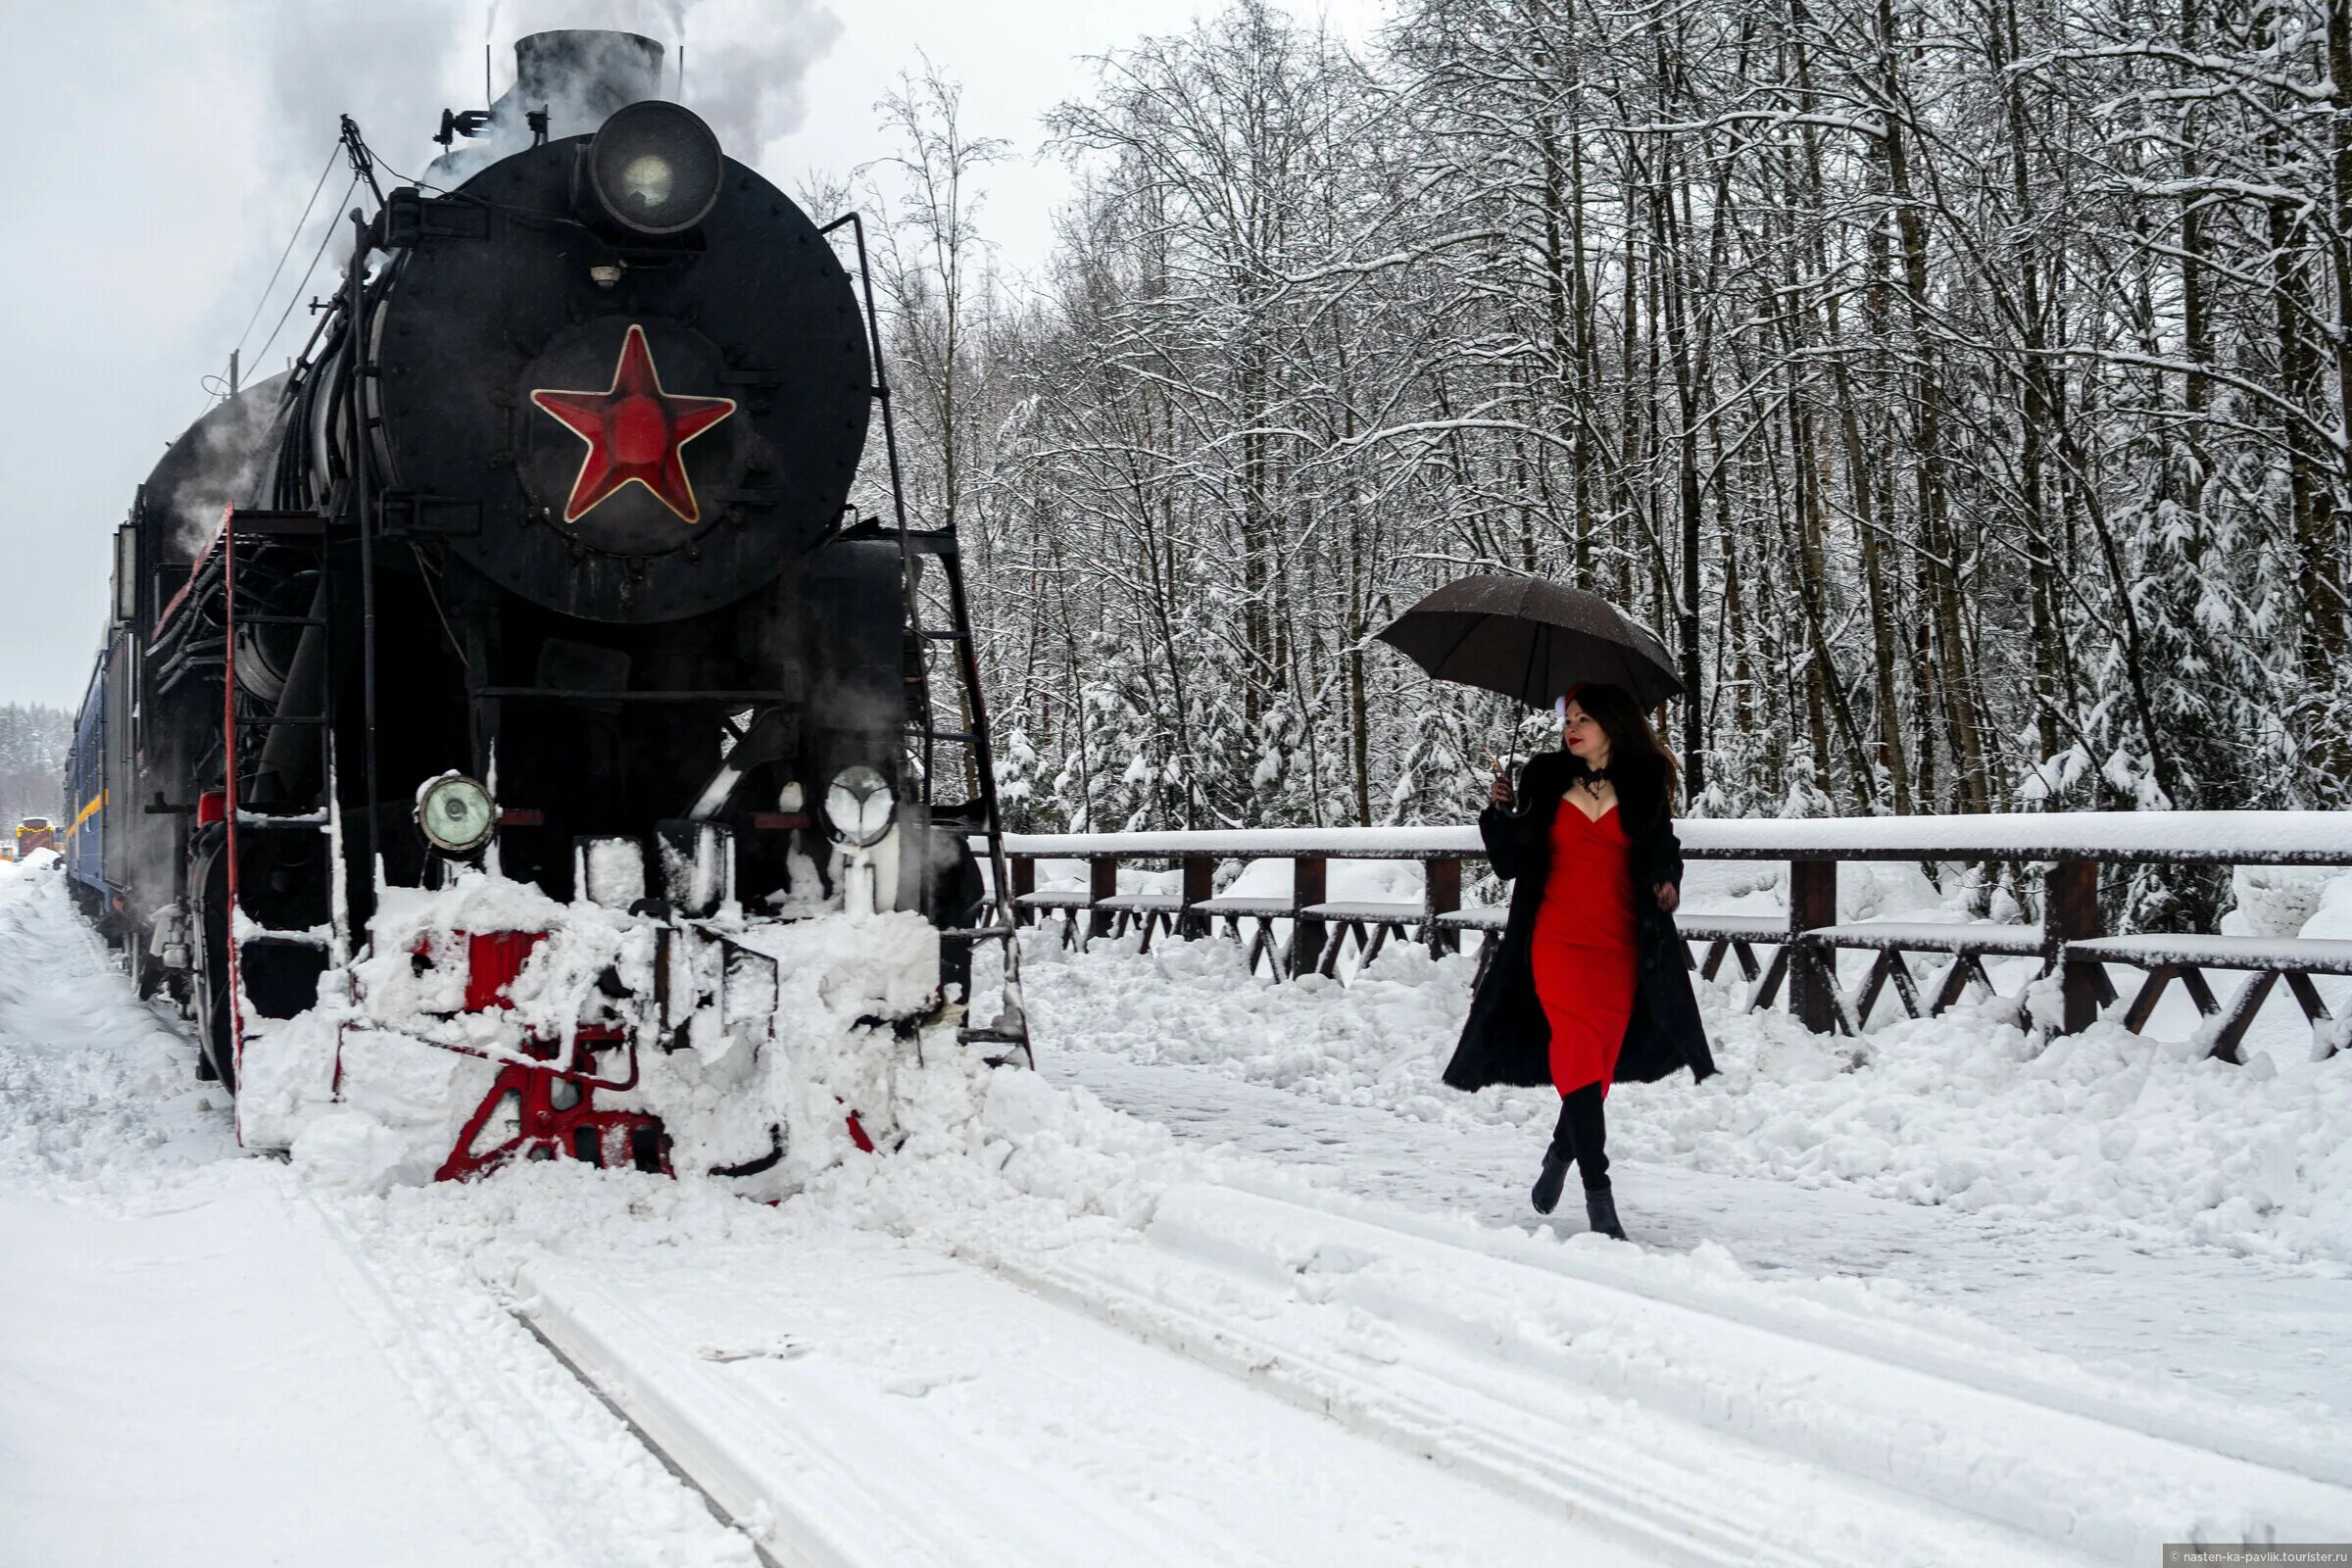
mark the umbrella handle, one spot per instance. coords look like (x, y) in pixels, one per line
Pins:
(1525, 681)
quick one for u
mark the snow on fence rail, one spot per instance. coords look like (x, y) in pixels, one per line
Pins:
(1305, 930)
(2246, 838)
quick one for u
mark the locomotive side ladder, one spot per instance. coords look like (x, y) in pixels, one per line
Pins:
(1011, 1027)
(299, 530)
(195, 636)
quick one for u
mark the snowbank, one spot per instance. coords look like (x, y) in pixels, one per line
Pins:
(101, 1106)
(2138, 1135)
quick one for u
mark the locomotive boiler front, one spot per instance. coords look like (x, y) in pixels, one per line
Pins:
(568, 389)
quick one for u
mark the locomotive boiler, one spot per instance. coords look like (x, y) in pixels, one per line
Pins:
(509, 743)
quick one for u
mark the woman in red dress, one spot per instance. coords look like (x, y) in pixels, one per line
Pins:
(1589, 963)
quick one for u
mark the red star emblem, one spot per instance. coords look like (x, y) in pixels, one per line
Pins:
(636, 434)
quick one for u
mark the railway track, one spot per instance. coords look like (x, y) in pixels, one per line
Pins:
(533, 1434)
(1116, 1397)
(864, 1403)
(1523, 1353)
(2322, 1452)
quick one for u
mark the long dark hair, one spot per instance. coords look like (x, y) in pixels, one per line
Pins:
(1630, 739)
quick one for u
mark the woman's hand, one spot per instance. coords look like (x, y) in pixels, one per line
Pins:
(1670, 897)
(1501, 794)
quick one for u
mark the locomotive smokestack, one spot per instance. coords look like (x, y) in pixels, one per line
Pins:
(582, 75)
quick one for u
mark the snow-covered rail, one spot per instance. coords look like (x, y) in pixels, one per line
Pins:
(862, 1403)
(1290, 1378)
(2073, 849)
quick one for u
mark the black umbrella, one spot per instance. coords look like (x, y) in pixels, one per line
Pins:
(1533, 640)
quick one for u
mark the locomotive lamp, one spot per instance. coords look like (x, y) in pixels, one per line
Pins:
(455, 814)
(860, 806)
(655, 168)
(647, 180)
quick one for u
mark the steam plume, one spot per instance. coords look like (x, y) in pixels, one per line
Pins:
(751, 58)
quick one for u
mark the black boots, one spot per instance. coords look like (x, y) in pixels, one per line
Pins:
(1581, 1140)
(1600, 1212)
(1601, 1204)
(1547, 1195)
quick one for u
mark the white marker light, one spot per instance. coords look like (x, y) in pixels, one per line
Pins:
(456, 815)
(860, 806)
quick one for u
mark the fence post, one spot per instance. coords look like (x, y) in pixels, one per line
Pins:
(1812, 972)
(2069, 912)
(1306, 936)
(1102, 882)
(1442, 896)
(1199, 885)
(1024, 883)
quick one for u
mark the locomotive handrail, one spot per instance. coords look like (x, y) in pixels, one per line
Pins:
(2070, 940)
(1012, 1023)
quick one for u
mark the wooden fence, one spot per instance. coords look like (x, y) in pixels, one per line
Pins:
(1795, 955)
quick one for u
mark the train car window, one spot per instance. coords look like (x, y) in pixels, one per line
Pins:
(127, 574)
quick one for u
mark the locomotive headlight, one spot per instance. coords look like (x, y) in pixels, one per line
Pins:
(455, 814)
(655, 168)
(860, 806)
(647, 180)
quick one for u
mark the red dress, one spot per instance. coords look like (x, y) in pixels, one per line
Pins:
(1584, 947)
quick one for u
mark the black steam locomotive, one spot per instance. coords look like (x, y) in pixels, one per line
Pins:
(508, 678)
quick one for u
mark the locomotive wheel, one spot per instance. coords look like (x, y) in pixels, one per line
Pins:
(146, 974)
(219, 1050)
(216, 1049)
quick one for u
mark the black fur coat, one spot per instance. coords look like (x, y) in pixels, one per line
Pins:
(1507, 1039)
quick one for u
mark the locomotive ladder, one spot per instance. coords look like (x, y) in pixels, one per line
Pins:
(1011, 1027)
(280, 528)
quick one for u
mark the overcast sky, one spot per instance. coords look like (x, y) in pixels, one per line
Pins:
(162, 149)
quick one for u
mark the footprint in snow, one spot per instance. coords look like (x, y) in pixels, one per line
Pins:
(914, 1384)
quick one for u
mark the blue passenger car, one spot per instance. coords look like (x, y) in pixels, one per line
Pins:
(84, 846)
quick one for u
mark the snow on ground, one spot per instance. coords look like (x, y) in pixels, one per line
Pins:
(1051, 1328)
(2216, 1321)
(195, 1367)
(2129, 1134)
(2105, 1198)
